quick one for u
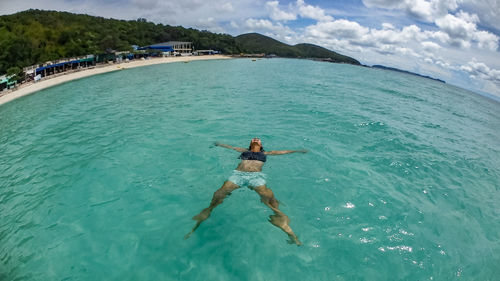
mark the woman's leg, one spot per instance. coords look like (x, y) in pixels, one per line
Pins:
(279, 219)
(217, 199)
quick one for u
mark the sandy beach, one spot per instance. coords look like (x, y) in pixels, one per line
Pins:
(32, 87)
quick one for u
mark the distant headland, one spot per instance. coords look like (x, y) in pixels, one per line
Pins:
(407, 72)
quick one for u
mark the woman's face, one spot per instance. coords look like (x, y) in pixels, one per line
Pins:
(255, 141)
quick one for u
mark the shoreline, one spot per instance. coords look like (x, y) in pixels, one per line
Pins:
(32, 87)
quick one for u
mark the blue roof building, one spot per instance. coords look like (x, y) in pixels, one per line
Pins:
(171, 46)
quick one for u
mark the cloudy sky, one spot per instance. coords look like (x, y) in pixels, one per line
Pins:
(454, 40)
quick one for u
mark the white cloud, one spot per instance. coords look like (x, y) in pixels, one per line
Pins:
(358, 35)
(395, 50)
(459, 28)
(430, 46)
(387, 36)
(389, 4)
(420, 9)
(479, 70)
(486, 40)
(340, 28)
(226, 7)
(209, 24)
(387, 25)
(427, 10)
(456, 27)
(234, 24)
(299, 9)
(462, 31)
(276, 30)
(144, 4)
(413, 32)
(276, 13)
(438, 35)
(312, 12)
(489, 11)
(259, 24)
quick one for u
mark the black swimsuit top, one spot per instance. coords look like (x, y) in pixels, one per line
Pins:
(250, 155)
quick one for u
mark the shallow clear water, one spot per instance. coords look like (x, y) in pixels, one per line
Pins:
(99, 177)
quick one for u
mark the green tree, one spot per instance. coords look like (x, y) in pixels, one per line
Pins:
(15, 73)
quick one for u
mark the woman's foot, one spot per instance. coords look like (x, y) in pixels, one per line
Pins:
(281, 221)
(294, 240)
(199, 218)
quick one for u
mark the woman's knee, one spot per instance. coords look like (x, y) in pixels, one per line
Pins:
(267, 196)
(222, 192)
(262, 190)
(267, 192)
(219, 195)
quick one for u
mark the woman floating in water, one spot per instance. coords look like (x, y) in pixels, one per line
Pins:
(249, 173)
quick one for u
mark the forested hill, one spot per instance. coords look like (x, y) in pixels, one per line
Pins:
(257, 43)
(36, 36)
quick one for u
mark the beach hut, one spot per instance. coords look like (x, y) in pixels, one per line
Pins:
(7, 82)
(11, 84)
(107, 57)
(50, 68)
(88, 61)
(3, 83)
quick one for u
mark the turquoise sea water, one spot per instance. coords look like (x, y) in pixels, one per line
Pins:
(99, 177)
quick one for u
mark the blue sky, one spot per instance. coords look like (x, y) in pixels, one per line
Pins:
(454, 40)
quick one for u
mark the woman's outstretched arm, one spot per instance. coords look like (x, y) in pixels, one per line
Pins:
(280, 152)
(240, 149)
